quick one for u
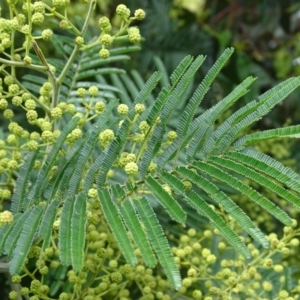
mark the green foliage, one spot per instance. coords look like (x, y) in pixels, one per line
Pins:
(92, 164)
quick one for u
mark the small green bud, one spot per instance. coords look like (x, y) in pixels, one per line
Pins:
(123, 11)
(47, 34)
(93, 91)
(131, 168)
(106, 40)
(139, 14)
(37, 18)
(123, 109)
(104, 53)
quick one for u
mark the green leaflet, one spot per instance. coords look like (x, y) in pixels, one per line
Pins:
(51, 157)
(246, 190)
(204, 209)
(15, 232)
(78, 231)
(88, 148)
(19, 195)
(269, 166)
(167, 201)
(158, 241)
(132, 222)
(216, 221)
(116, 225)
(45, 228)
(201, 125)
(64, 238)
(229, 206)
(5, 232)
(290, 132)
(25, 240)
(259, 113)
(190, 110)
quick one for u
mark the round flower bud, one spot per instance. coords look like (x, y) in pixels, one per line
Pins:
(123, 109)
(134, 35)
(16, 279)
(187, 282)
(59, 3)
(3, 103)
(56, 113)
(197, 295)
(116, 277)
(106, 137)
(14, 89)
(144, 127)
(64, 24)
(30, 104)
(27, 60)
(278, 268)
(139, 108)
(92, 193)
(93, 91)
(79, 41)
(71, 108)
(152, 167)
(104, 23)
(37, 18)
(39, 6)
(32, 145)
(6, 217)
(17, 101)
(81, 92)
(131, 168)
(267, 286)
(8, 80)
(47, 136)
(123, 11)
(294, 242)
(139, 14)
(106, 39)
(172, 135)
(8, 114)
(99, 107)
(104, 53)
(47, 34)
(13, 295)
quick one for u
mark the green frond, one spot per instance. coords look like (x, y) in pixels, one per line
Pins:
(148, 87)
(166, 102)
(25, 240)
(19, 196)
(132, 222)
(51, 158)
(5, 231)
(201, 125)
(214, 141)
(269, 166)
(86, 151)
(173, 181)
(180, 70)
(180, 88)
(166, 200)
(252, 194)
(15, 232)
(65, 168)
(78, 231)
(203, 208)
(116, 225)
(45, 228)
(226, 203)
(158, 241)
(190, 110)
(278, 96)
(91, 64)
(64, 238)
(286, 132)
(93, 72)
(217, 221)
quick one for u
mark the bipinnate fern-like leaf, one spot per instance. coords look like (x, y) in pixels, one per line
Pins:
(117, 227)
(166, 200)
(207, 156)
(19, 195)
(29, 229)
(64, 239)
(158, 241)
(78, 231)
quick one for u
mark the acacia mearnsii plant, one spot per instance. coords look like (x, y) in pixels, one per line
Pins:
(84, 174)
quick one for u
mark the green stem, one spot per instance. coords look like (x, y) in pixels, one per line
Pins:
(20, 64)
